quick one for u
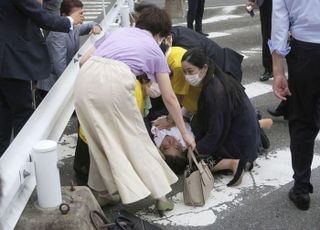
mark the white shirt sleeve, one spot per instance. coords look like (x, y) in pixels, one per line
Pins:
(71, 22)
(280, 28)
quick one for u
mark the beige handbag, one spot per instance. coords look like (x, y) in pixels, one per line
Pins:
(198, 181)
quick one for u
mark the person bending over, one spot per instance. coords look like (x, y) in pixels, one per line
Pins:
(109, 115)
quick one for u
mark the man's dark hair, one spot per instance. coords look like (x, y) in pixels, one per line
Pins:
(67, 5)
(176, 163)
(154, 20)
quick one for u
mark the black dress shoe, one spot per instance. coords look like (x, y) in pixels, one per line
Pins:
(204, 34)
(275, 112)
(266, 76)
(300, 200)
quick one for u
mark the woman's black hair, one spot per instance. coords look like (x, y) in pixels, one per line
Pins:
(233, 89)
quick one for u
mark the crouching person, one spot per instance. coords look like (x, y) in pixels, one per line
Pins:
(225, 124)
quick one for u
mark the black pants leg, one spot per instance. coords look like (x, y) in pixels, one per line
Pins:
(304, 81)
(265, 18)
(39, 96)
(192, 12)
(199, 15)
(15, 108)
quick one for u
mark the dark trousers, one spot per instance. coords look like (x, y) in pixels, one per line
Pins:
(304, 109)
(265, 19)
(39, 95)
(195, 13)
(15, 108)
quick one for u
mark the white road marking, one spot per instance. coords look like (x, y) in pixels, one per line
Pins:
(95, 2)
(228, 9)
(217, 34)
(93, 13)
(271, 172)
(256, 89)
(213, 19)
(90, 17)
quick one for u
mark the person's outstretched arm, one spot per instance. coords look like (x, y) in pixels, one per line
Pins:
(46, 20)
(171, 102)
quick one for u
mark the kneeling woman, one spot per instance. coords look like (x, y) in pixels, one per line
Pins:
(225, 124)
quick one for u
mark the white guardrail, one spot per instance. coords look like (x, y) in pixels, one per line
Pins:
(17, 174)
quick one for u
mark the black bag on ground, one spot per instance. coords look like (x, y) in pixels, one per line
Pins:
(124, 220)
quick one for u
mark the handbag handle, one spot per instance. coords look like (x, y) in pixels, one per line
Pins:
(193, 157)
(190, 151)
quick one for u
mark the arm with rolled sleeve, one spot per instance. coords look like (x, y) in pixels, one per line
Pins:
(279, 47)
(280, 28)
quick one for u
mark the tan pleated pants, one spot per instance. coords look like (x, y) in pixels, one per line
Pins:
(122, 156)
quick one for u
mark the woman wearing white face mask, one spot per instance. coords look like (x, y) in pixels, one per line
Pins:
(225, 124)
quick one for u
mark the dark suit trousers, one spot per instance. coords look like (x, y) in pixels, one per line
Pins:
(15, 108)
(304, 109)
(195, 13)
(265, 18)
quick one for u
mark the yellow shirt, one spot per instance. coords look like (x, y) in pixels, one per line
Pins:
(179, 85)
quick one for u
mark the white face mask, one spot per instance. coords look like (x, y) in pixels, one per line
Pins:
(154, 90)
(193, 79)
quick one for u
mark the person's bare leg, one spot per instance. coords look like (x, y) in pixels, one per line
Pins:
(265, 123)
(226, 164)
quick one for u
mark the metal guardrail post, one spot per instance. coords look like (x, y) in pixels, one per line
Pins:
(125, 15)
(131, 5)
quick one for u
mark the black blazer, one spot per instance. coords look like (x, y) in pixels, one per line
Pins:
(227, 59)
(23, 51)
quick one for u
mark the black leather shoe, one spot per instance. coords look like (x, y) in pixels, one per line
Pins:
(204, 34)
(266, 76)
(300, 200)
(275, 112)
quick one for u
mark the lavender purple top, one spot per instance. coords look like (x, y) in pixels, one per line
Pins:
(136, 48)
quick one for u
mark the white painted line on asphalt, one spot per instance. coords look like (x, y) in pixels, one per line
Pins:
(256, 89)
(93, 13)
(213, 19)
(219, 18)
(271, 172)
(226, 8)
(95, 2)
(93, 9)
(91, 17)
(217, 34)
(93, 6)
